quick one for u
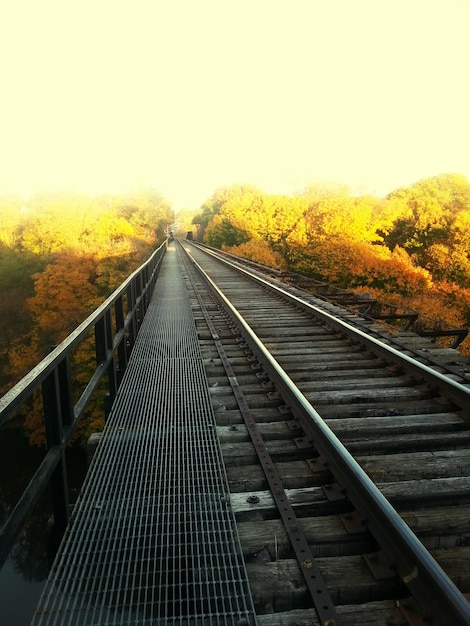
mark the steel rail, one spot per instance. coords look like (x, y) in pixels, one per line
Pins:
(438, 597)
(453, 389)
(308, 565)
(343, 297)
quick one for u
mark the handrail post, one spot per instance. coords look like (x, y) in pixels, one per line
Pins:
(112, 380)
(139, 313)
(54, 400)
(103, 345)
(131, 313)
(65, 389)
(122, 348)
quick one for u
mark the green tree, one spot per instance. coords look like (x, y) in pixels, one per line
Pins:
(221, 232)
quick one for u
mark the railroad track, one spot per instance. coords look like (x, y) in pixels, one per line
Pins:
(322, 532)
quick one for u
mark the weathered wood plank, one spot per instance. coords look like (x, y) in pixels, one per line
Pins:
(263, 415)
(412, 442)
(326, 535)
(415, 465)
(445, 527)
(399, 424)
(223, 388)
(297, 497)
(227, 401)
(244, 452)
(379, 613)
(365, 384)
(294, 475)
(270, 431)
(392, 394)
(456, 563)
(340, 375)
(281, 585)
(398, 406)
(436, 528)
(445, 491)
(334, 362)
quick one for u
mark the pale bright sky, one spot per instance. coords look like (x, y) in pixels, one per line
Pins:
(188, 95)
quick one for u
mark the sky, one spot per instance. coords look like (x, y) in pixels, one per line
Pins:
(185, 96)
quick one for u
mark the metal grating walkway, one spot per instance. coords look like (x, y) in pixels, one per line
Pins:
(152, 540)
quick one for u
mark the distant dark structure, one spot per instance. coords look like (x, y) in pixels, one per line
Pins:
(189, 235)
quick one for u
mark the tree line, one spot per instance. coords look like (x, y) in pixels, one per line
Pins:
(61, 255)
(410, 248)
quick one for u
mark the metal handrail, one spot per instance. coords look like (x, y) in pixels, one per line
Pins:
(113, 339)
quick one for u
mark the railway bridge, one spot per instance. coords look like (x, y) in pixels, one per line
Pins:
(269, 457)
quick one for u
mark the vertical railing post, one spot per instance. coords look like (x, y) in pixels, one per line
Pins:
(122, 349)
(112, 381)
(131, 312)
(103, 344)
(53, 402)
(138, 311)
(65, 390)
(100, 341)
(145, 286)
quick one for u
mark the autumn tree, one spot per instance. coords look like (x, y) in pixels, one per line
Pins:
(148, 212)
(223, 202)
(336, 212)
(61, 255)
(434, 225)
(414, 242)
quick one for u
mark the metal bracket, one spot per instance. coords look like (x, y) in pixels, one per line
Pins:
(261, 375)
(303, 442)
(267, 384)
(334, 492)
(380, 566)
(353, 523)
(411, 612)
(318, 463)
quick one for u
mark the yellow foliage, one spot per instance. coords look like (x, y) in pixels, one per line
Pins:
(442, 302)
(412, 247)
(62, 255)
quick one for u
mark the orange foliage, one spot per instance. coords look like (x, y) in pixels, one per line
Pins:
(346, 263)
(259, 251)
(66, 293)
